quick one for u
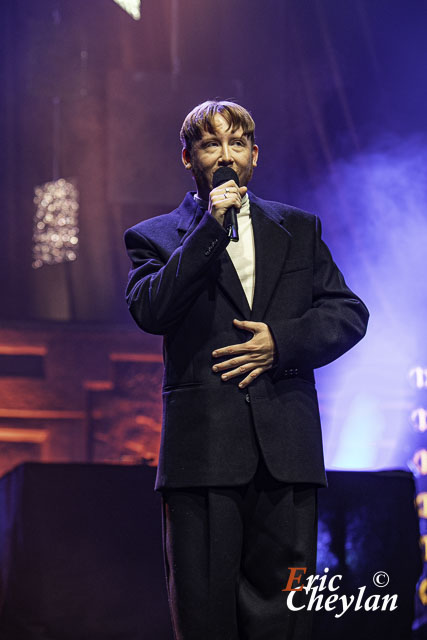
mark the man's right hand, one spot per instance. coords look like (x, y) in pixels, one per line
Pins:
(223, 197)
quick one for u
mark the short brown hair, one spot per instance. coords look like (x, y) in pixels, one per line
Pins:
(201, 119)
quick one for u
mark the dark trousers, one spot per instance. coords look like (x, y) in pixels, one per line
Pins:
(227, 558)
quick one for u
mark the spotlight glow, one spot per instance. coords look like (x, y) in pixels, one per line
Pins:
(419, 419)
(55, 233)
(420, 461)
(418, 377)
(132, 7)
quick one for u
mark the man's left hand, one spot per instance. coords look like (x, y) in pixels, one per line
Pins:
(252, 357)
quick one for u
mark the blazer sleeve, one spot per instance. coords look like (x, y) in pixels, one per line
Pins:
(336, 321)
(160, 291)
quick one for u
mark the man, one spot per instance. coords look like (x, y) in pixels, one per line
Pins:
(244, 325)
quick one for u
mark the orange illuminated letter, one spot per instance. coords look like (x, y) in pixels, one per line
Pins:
(293, 577)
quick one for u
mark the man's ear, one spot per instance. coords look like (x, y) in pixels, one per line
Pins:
(186, 159)
(255, 151)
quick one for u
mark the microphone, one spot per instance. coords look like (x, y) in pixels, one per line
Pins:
(221, 175)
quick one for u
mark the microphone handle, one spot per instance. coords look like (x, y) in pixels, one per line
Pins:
(231, 224)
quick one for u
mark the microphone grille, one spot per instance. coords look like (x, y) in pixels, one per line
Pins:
(224, 174)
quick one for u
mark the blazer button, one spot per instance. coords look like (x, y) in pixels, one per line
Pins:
(247, 398)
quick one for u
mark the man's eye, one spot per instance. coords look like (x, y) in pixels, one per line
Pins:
(212, 143)
(239, 143)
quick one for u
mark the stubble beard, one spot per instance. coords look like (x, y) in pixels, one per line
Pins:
(204, 186)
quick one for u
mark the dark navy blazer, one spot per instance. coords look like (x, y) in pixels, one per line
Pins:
(183, 285)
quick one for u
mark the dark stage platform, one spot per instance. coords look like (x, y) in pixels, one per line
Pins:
(81, 559)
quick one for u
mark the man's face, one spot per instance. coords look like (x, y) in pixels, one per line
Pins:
(223, 148)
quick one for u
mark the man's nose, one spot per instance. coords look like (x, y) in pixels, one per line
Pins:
(226, 156)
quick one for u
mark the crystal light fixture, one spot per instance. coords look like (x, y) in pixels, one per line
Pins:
(55, 234)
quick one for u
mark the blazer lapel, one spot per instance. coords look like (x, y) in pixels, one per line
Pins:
(223, 271)
(190, 215)
(272, 242)
(229, 282)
